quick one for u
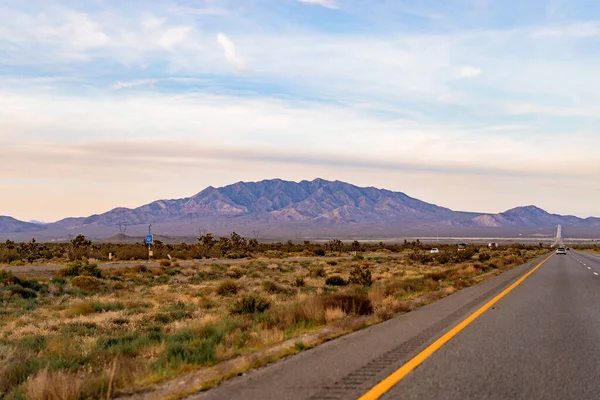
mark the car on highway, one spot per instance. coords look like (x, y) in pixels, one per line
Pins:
(561, 250)
(435, 250)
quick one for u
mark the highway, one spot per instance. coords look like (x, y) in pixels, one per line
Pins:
(539, 340)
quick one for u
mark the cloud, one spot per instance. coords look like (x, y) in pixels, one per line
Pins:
(173, 36)
(131, 84)
(325, 3)
(536, 109)
(468, 72)
(230, 54)
(279, 130)
(571, 30)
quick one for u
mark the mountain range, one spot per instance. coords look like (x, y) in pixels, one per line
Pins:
(308, 209)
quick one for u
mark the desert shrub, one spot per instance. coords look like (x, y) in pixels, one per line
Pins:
(443, 257)
(26, 293)
(320, 252)
(484, 256)
(317, 272)
(110, 306)
(274, 288)
(81, 267)
(299, 282)
(250, 304)
(127, 344)
(88, 283)
(335, 280)
(57, 281)
(80, 329)
(5, 276)
(165, 263)
(361, 276)
(202, 352)
(408, 286)
(333, 263)
(439, 275)
(465, 255)
(350, 303)
(227, 288)
(174, 312)
(422, 258)
(195, 346)
(235, 272)
(9, 256)
(141, 268)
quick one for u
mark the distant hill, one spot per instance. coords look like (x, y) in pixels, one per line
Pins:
(278, 208)
(11, 225)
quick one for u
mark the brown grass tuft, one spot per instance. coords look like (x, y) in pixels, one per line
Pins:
(54, 385)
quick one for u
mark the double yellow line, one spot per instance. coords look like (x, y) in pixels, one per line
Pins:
(386, 384)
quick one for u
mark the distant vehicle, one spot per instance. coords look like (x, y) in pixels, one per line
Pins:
(462, 246)
(561, 250)
(435, 250)
(492, 245)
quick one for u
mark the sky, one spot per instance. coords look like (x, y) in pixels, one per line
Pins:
(475, 105)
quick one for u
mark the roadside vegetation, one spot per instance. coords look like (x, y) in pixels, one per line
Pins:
(92, 333)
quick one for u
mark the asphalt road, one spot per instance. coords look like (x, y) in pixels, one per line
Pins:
(540, 341)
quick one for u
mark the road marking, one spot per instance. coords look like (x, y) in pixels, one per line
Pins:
(589, 268)
(595, 273)
(385, 385)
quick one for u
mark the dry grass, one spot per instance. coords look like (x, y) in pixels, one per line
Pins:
(137, 325)
(334, 314)
(54, 385)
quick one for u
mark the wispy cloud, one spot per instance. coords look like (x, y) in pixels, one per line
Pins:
(332, 4)
(230, 54)
(572, 30)
(468, 72)
(136, 83)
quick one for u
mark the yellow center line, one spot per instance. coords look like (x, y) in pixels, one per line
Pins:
(386, 384)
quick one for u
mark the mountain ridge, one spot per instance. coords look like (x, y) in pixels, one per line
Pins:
(312, 207)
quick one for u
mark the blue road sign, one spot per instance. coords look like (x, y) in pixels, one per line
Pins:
(149, 239)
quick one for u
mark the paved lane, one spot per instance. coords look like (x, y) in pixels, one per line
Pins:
(541, 341)
(348, 367)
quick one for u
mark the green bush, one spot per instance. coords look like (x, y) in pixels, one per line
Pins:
(361, 276)
(335, 280)
(250, 304)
